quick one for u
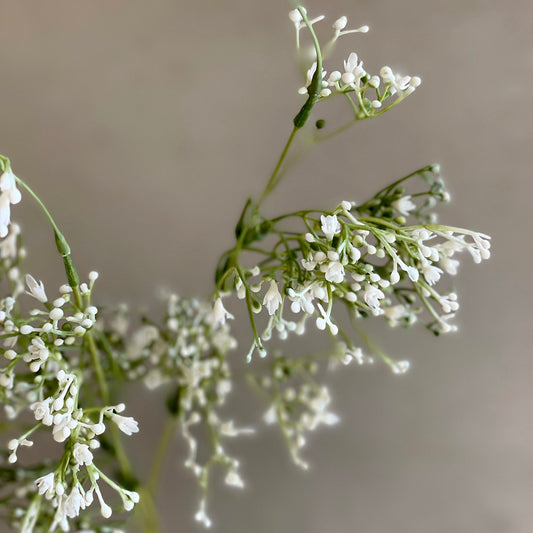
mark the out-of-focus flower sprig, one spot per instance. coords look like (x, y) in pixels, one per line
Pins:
(297, 403)
(187, 354)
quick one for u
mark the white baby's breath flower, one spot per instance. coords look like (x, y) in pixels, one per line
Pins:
(74, 502)
(126, 424)
(340, 23)
(41, 411)
(271, 416)
(404, 205)
(9, 194)
(296, 16)
(333, 272)
(234, 480)
(398, 83)
(36, 289)
(82, 454)
(46, 485)
(330, 226)
(297, 19)
(372, 296)
(63, 426)
(353, 71)
(400, 367)
(449, 265)
(220, 314)
(324, 321)
(431, 273)
(272, 299)
(201, 516)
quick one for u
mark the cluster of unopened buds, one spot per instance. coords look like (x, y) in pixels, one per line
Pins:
(373, 93)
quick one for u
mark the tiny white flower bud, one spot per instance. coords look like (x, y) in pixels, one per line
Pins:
(98, 429)
(400, 367)
(334, 77)
(348, 78)
(340, 23)
(56, 313)
(105, 510)
(374, 82)
(295, 16)
(79, 331)
(59, 302)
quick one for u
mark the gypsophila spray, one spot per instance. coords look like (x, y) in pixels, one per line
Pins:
(323, 271)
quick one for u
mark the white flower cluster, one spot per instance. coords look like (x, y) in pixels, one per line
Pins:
(11, 255)
(373, 93)
(368, 259)
(71, 487)
(9, 195)
(37, 342)
(297, 404)
(187, 353)
(43, 372)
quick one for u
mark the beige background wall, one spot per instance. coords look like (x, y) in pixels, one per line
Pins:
(145, 124)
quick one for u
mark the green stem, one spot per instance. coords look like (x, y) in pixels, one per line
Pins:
(95, 358)
(41, 205)
(274, 178)
(162, 447)
(146, 507)
(62, 246)
(249, 305)
(302, 116)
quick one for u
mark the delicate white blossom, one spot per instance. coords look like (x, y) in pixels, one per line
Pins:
(272, 299)
(330, 226)
(9, 194)
(220, 314)
(126, 424)
(404, 205)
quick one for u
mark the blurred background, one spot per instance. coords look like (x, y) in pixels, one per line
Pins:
(144, 126)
